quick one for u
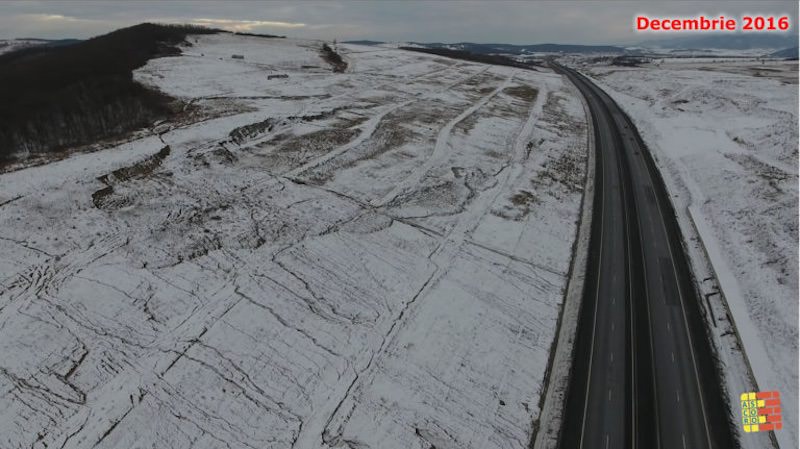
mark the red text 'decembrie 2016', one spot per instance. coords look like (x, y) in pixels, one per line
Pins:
(720, 23)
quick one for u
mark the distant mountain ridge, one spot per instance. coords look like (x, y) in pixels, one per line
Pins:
(11, 45)
(53, 42)
(364, 42)
(787, 53)
(523, 49)
(509, 48)
(736, 41)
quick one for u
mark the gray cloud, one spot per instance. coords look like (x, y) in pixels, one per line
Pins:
(426, 21)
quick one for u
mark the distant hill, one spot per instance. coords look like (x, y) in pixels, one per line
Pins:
(786, 53)
(364, 42)
(509, 49)
(526, 49)
(469, 56)
(738, 41)
(52, 42)
(10, 45)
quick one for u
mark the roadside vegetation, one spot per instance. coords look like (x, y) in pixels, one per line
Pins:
(333, 58)
(269, 36)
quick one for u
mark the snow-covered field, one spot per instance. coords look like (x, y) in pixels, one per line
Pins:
(369, 259)
(726, 139)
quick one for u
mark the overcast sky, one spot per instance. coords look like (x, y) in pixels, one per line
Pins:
(595, 22)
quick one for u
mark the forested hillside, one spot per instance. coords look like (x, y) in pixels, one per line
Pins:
(57, 97)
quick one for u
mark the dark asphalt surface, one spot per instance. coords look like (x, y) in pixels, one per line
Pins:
(643, 373)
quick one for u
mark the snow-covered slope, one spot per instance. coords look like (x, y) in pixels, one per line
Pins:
(9, 45)
(369, 259)
(725, 137)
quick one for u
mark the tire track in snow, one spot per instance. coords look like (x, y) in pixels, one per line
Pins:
(367, 130)
(318, 425)
(512, 172)
(439, 151)
(370, 126)
(303, 110)
(442, 257)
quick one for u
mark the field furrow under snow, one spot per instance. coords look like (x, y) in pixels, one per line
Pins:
(374, 258)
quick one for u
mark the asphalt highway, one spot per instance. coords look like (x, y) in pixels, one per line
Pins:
(643, 374)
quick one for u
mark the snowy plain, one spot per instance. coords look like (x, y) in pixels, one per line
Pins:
(724, 135)
(306, 259)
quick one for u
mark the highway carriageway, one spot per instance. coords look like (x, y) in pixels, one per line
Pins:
(643, 372)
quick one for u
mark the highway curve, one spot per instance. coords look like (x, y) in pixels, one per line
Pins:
(643, 373)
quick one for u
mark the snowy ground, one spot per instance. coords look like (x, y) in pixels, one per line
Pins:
(368, 259)
(725, 137)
